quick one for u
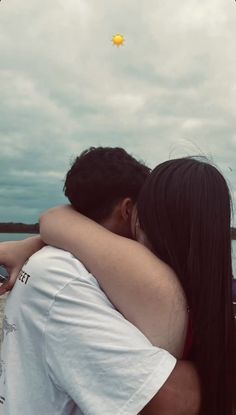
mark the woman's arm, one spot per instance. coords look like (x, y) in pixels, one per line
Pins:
(13, 255)
(141, 286)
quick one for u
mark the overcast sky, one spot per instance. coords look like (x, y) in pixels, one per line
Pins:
(170, 91)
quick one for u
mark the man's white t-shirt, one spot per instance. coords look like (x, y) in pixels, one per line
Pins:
(67, 351)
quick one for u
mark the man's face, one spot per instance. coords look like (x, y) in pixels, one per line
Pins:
(124, 222)
(133, 222)
(137, 233)
(128, 226)
(130, 223)
(120, 219)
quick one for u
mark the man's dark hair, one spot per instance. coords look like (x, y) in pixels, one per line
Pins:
(100, 177)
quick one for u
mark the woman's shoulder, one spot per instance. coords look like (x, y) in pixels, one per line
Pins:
(165, 312)
(157, 268)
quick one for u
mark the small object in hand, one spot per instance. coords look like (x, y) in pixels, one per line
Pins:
(3, 274)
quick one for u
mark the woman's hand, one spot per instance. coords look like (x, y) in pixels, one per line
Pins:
(13, 255)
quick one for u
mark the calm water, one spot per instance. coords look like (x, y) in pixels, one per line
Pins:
(13, 236)
(19, 236)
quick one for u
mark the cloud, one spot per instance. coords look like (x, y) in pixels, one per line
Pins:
(170, 91)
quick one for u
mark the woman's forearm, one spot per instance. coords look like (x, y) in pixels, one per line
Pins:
(33, 244)
(15, 253)
(137, 283)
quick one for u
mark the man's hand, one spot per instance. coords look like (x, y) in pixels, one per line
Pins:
(180, 395)
(13, 255)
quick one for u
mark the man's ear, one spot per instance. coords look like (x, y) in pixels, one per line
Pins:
(126, 208)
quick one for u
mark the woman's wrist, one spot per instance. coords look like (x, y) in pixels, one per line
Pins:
(33, 244)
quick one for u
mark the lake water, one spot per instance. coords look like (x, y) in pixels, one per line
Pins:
(19, 236)
(14, 236)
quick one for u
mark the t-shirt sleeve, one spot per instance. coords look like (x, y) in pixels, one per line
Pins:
(103, 362)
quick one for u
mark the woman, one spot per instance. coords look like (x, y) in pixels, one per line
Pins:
(184, 216)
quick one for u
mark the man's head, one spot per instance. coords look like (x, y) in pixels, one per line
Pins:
(103, 184)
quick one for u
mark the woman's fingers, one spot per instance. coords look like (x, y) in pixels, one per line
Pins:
(4, 288)
(13, 255)
(10, 282)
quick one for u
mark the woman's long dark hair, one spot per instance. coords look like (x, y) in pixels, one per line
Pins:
(185, 210)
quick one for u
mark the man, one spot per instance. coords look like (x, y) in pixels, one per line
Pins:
(66, 349)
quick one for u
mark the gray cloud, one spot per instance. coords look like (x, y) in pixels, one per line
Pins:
(170, 91)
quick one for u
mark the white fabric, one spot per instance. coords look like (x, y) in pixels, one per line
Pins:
(67, 351)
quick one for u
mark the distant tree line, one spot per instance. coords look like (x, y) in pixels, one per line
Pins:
(11, 227)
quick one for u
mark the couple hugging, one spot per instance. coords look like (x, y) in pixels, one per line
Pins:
(123, 304)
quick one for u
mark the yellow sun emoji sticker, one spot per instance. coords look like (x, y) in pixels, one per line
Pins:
(118, 40)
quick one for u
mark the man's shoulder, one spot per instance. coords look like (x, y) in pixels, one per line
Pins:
(51, 252)
(53, 259)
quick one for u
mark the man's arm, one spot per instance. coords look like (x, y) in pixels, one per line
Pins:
(180, 395)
